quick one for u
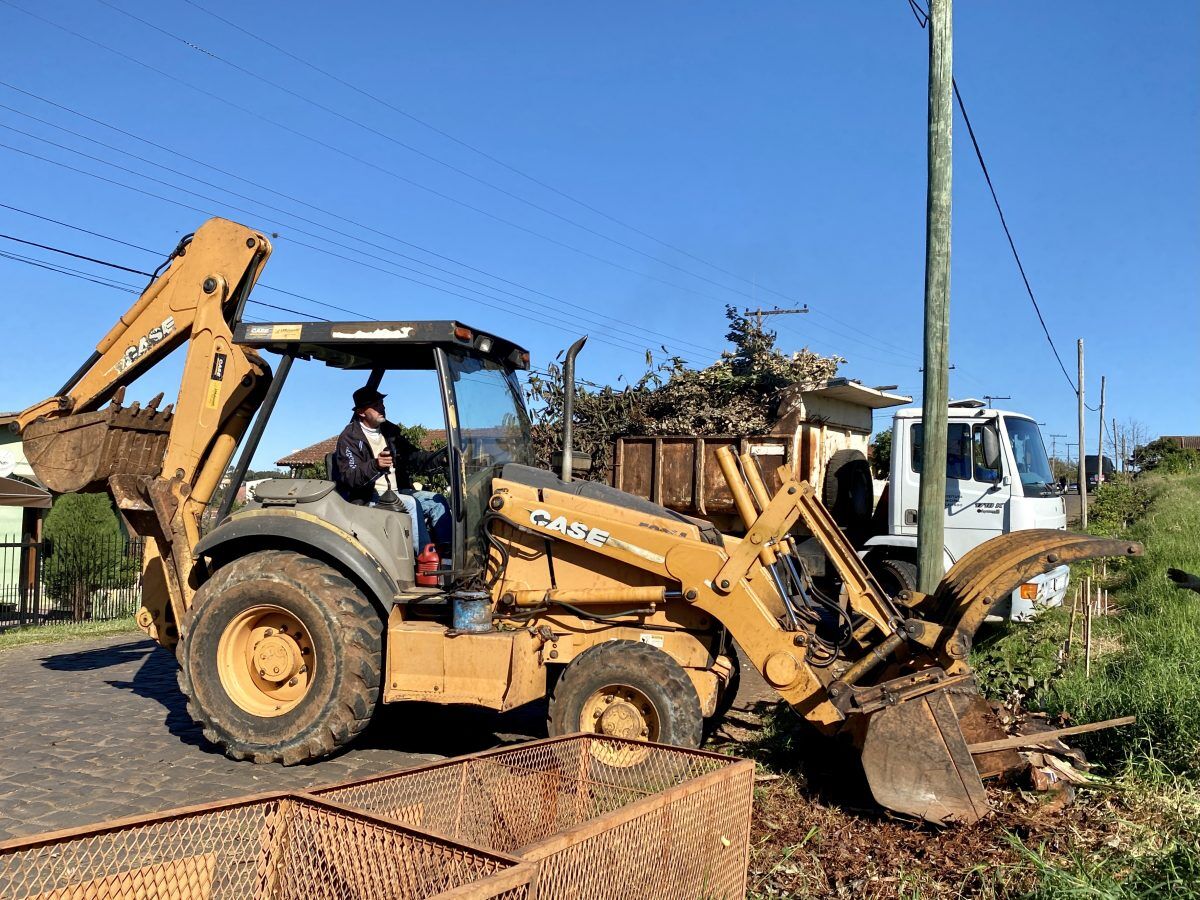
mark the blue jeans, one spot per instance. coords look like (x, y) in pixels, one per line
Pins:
(419, 504)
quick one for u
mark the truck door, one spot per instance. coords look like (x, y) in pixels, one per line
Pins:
(976, 501)
(978, 509)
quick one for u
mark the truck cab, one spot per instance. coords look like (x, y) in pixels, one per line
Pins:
(998, 480)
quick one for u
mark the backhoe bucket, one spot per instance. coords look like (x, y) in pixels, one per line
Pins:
(917, 762)
(81, 451)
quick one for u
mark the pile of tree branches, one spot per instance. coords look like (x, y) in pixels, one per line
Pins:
(738, 394)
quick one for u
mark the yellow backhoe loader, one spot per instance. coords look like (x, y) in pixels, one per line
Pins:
(296, 616)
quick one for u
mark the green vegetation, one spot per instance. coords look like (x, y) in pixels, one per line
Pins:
(1166, 457)
(1137, 837)
(53, 634)
(86, 551)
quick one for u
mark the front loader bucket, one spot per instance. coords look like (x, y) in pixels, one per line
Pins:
(917, 762)
(81, 451)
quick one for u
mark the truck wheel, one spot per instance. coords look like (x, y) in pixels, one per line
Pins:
(280, 658)
(849, 493)
(894, 575)
(629, 690)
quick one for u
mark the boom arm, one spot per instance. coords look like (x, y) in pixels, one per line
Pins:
(161, 466)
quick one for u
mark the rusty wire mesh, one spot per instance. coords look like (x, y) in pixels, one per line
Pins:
(601, 817)
(281, 847)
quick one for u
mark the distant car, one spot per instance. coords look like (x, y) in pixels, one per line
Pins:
(1073, 487)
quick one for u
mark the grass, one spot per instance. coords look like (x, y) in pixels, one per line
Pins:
(52, 634)
(1139, 837)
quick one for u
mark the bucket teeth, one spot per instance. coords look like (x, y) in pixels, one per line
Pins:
(81, 451)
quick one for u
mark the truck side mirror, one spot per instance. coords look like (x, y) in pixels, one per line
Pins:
(991, 449)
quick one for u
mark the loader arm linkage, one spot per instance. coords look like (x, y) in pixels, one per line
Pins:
(161, 466)
(891, 673)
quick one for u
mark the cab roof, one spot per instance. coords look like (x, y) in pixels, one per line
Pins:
(378, 345)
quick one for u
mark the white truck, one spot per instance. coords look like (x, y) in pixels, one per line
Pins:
(998, 479)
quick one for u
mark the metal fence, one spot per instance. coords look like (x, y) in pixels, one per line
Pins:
(68, 580)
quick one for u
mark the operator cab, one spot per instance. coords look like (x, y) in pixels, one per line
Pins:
(487, 425)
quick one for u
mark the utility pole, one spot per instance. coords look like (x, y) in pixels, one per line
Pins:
(760, 312)
(1116, 449)
(1100, 442)
(1054, 446)
(990, 397)
(931, 511)
(1082, 442)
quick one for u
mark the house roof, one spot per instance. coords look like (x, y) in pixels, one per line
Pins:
(316, 453)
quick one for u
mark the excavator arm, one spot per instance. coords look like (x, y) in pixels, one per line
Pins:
(161, 466)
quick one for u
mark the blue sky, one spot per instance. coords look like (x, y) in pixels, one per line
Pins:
(780, 145)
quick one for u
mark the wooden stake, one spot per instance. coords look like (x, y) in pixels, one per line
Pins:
(1087, 636)
(1071, 628)
(1043, 737)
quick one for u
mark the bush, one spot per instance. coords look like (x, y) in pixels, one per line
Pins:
(738, 394)
(86, 553)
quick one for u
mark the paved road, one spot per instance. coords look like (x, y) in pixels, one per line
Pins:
(97, 729)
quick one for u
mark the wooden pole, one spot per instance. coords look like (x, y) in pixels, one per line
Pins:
(931, 511)
(1045, 737)
(1100, 438)
(1071, 627)
(1087, 635)
(1116, 449)
(1082, 445)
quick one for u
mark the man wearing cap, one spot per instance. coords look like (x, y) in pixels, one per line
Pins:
(375, 464)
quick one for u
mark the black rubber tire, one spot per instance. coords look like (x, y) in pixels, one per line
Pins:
(639, 666)
(346, 631)
(849, 492)
(894, 575)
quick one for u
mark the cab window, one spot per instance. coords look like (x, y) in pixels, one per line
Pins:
(959, 450)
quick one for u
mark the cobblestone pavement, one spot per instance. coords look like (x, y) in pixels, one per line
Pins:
(97, 729)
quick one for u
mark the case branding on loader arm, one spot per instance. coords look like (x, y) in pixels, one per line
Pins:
(579, 531)
(137, 350)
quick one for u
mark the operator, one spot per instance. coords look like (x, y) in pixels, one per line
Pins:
(374, 465)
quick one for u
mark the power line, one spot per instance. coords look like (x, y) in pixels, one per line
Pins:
(923, 20)
(409, 147)
(485, 155)
(558, 300)
(65, 270)
(611, 339)
(382, 169)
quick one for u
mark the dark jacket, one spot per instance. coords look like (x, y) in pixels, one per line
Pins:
(355, 470)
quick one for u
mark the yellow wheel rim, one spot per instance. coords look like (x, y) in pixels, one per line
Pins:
(266, 661)
(620, 711)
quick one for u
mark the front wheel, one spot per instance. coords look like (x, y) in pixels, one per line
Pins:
(280, 658)
(627, 689)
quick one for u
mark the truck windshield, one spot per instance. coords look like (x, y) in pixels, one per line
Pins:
(1030, 455)
(493, 430)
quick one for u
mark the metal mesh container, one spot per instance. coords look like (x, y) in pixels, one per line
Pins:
(601, 817)
(274, 847)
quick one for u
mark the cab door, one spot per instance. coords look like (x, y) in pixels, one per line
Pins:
(976, 499)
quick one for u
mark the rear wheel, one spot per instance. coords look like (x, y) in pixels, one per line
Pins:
(280, 658)
(629, 690)
(895, 575)
(849, 493)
